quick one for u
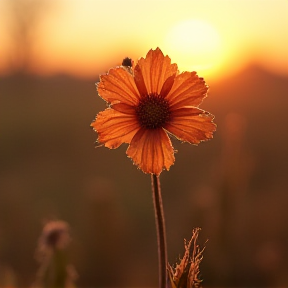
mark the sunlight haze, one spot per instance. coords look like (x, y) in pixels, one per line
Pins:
(216, 38)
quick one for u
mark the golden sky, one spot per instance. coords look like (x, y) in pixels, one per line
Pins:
(87, 37)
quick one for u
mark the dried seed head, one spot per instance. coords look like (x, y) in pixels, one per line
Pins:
(186, 273)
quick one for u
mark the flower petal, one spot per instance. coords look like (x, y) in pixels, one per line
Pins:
(152, 72)
(118, 86)
(115, 128)
(191, 124)
(151, 150)
(124, 108)
(188, 90)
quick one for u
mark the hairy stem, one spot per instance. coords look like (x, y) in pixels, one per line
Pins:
(160, 227)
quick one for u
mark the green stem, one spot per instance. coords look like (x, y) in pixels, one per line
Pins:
(160, 227)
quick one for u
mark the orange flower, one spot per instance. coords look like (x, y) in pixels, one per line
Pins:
(147, 102)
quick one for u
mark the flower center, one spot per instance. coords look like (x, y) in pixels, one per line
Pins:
(153, 111)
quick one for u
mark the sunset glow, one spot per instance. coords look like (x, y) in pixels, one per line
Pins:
(85, 38)
(195, 45)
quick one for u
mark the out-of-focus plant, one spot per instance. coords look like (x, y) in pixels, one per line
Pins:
(55, 270)
(7, 277)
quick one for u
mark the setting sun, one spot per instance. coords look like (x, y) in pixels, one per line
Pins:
(194, 44)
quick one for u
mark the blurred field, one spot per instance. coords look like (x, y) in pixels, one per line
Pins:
(233, 187)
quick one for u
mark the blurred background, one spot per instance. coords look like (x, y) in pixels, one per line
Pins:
(234, 187)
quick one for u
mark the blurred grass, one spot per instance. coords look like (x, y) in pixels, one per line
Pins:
(234, 187)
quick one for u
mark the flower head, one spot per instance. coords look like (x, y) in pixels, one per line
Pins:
(148, 102)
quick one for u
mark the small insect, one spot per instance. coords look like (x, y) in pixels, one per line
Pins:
(127, 62)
